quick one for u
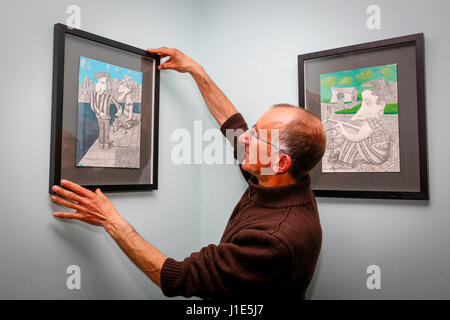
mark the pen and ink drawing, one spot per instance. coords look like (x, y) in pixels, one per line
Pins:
(359, 112)
(109, 115)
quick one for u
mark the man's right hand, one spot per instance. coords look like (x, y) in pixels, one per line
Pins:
(218, 104)
(177, 60)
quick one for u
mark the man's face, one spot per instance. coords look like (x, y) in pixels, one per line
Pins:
(101, 85)
(261, 155)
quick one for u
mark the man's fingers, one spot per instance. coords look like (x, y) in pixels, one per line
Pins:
(67, 194)
(66, 203)
(154, 50)
(76, 188)
(162, 54)
(76, 216)
(83, 212)
(163, 51)
(68, 215)
(100, 193)
(166, 65)
(167, 61)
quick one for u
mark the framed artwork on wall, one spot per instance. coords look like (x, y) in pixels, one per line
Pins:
(370, 98)
(105, 103)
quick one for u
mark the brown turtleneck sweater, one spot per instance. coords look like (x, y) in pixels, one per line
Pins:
(269, 248)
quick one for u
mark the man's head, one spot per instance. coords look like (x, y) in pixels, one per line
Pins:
(103, 82)
(286, 140)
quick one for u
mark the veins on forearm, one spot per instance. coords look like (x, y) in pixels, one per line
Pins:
(143, 254)
(216, 101)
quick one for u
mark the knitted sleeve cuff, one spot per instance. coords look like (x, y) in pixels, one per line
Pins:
(235, 125)
(236, 121)
(171, 275)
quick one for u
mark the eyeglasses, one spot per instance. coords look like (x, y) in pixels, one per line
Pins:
(253, 134)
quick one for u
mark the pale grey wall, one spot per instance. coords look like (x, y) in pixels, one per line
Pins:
(35, 248)
(250, 49)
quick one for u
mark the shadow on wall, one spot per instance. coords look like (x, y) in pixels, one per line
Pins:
(83, 248)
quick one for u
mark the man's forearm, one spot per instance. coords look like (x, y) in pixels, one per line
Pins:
(218, 104)
(144, 255)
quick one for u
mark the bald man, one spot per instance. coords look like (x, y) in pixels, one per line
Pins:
(272, 241)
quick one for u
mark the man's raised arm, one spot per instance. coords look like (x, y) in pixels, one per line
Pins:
(218, 104)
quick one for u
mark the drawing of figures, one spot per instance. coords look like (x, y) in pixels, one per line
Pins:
(365, 137)
(101, 101)
(109, 99)
(368, 143)
(125, 120)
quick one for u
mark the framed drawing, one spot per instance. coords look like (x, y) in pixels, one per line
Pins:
(370, 98)
(104, 113)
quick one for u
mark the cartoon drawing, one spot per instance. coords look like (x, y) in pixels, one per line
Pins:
(109, 98)
(101, 101)
(361, 120)
(124, 120)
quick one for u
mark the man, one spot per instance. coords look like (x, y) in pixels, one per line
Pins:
(272, 241)
(100, 104)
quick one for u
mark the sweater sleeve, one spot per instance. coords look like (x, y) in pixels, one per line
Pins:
(255, 263)
(232, 128)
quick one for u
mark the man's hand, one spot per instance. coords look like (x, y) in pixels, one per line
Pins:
(96, 209)
(218, 104)
(178, 60)
(91, 207)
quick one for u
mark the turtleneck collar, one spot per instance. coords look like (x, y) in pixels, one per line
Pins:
(283, 196)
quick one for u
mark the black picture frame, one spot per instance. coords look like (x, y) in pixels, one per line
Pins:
(139, 179)
(412, 117)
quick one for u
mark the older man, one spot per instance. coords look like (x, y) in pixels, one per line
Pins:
(272, 241)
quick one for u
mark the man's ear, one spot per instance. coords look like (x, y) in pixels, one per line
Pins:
(282, 163)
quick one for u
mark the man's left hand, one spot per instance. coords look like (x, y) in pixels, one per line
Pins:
(91, 207)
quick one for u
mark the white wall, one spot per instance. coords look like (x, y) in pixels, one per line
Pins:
(250, 49)
(35, 247)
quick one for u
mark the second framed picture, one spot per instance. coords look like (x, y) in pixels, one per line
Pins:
(104, 113)
(371, 101)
